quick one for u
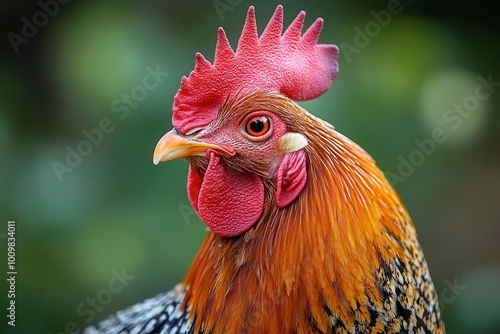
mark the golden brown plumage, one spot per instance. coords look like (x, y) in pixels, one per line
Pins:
(342, 257)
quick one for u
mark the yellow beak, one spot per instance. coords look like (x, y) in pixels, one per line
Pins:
(172, 146)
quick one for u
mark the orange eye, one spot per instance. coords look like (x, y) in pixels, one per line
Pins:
(258, 126)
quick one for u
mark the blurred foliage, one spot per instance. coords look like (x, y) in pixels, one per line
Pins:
(116, 210)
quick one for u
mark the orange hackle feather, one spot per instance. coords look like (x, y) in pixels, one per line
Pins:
(320, 253)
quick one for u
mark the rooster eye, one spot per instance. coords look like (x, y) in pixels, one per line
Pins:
(258, 126)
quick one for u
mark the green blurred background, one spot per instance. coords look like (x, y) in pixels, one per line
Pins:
(117, 210)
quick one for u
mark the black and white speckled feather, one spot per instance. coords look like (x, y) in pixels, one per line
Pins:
(157, 315)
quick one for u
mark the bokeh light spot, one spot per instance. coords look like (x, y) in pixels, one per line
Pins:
(449, 101)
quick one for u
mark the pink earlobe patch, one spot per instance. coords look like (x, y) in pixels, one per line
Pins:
(291, 178)
(229, 202)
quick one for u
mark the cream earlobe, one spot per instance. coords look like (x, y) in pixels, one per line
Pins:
(291, 142)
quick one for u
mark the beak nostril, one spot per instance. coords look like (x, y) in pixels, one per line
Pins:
(193, 131)
(174, 146)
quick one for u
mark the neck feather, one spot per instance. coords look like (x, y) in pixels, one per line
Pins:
(319, 253)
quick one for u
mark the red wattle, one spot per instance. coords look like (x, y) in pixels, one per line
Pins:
(193, 188)
(229, 202)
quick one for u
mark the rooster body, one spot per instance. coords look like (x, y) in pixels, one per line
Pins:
(307, 234)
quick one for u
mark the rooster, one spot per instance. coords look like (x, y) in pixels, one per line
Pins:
(307, 235)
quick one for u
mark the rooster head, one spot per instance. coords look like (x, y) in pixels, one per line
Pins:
(237, 124)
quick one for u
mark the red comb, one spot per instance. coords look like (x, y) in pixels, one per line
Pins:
(294, 65)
